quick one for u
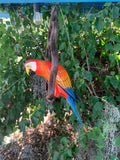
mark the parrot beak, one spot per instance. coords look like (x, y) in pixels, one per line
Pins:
(27, 71)
(30, 72)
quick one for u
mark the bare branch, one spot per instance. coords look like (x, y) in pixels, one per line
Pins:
(51, 49)
(89, 89)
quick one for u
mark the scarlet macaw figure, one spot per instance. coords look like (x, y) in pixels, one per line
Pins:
(62, 85)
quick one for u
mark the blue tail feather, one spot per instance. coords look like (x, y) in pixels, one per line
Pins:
(72, 94)
(71, 101)
(72, 98)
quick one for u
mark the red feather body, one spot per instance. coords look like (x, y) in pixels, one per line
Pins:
(62, 78)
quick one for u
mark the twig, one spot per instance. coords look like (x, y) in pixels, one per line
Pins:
(88, 67)
(89, 89)
(10, 86)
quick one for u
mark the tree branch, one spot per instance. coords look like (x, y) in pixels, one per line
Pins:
(51, 50)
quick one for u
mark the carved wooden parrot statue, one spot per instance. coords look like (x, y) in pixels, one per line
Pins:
(62, 85)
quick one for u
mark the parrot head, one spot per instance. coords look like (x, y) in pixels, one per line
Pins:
(31, 67)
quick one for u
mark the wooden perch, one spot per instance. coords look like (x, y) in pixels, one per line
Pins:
(51, 51)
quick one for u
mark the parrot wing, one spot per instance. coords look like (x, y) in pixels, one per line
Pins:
(63, 80)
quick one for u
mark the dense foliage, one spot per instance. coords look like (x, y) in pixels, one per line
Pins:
(89, 49)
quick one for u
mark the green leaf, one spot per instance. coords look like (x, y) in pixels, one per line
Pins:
(97, 110)
(9, 29)
(105, 12)
(10, 52)
(68, 63)
(118, 98)
(72, 37)
(56, 155)
(101, 142)
(67, 152)
(1, 138)
(91, 18)
(93, 101)
(94, 134)
(113, 37)
(22, 126)
(26, 22)
(86, 26)
(70, 51)
(76, 27)
(64, 141)
(92, 52)
(11, 114)
(117, 23)
(5, 98)
(34, 121)
(112, 58)
(99, 155)
(8, 129)
(7, 22)
(117, 141)
(62, 46)
(114, 157)
(99, 24)
(112, 73)
(28, 43)
(117, 47)
(27, 122)
(37, 114)
(108, 46)
(43, 105)
(115, 12)
(88, 75)
(76, 75)
(83, 53)
(72, 119)
(62, 157)
(1, 33)
(114, 82)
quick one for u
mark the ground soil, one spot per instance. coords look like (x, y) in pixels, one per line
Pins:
(34, 145)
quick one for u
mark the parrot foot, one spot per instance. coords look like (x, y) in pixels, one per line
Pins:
(48, 98)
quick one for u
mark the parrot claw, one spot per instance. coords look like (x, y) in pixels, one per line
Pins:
(48, 98)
